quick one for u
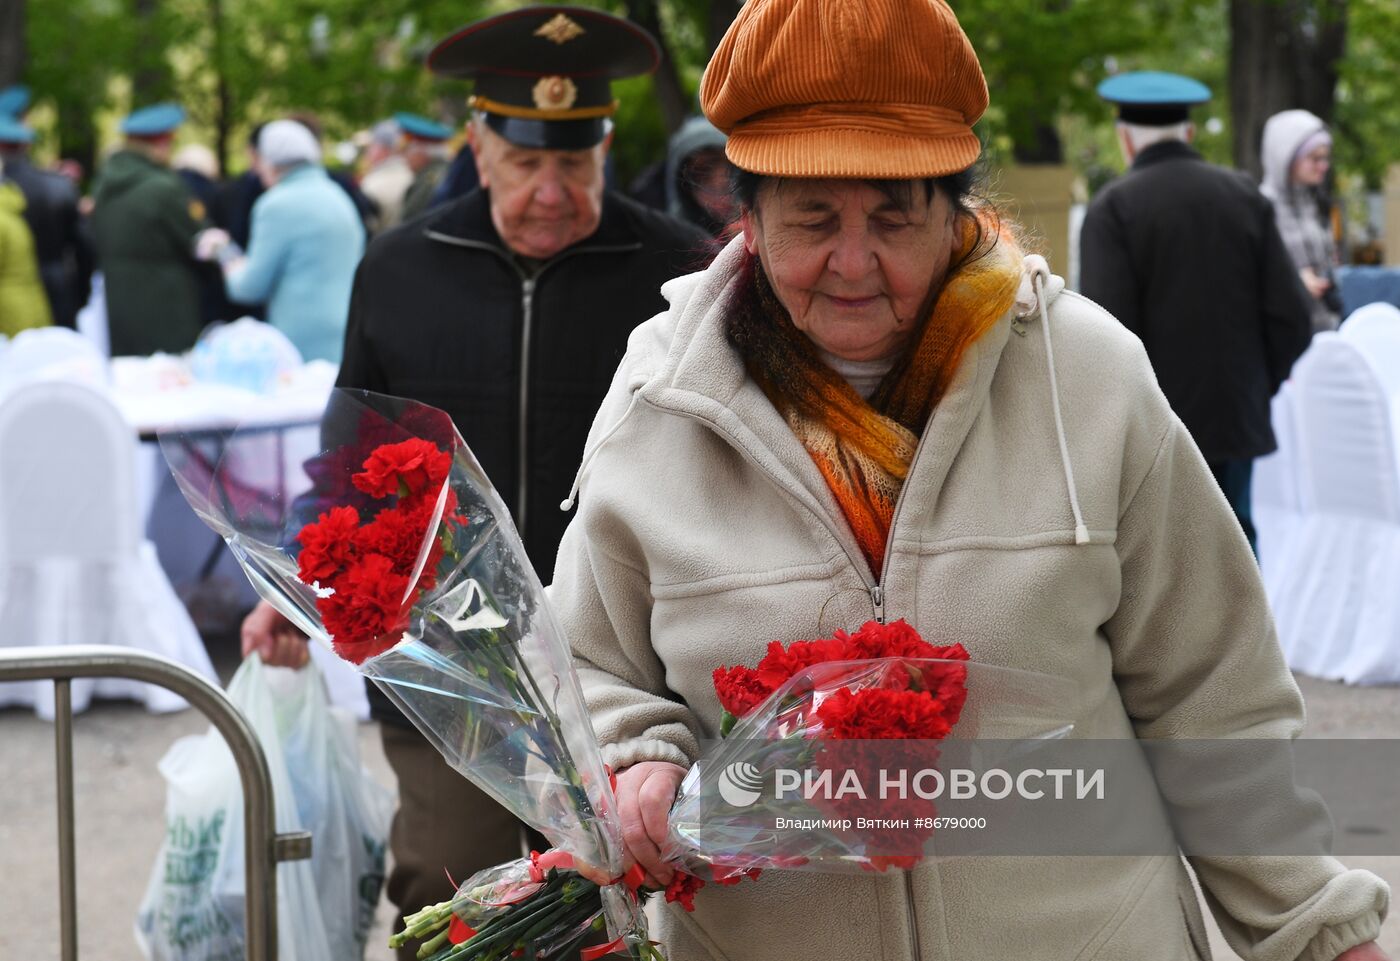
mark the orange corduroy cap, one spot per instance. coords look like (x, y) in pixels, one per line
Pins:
(846, 88)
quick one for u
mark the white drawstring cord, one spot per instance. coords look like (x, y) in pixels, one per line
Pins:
(567, 504)
(1081, 533)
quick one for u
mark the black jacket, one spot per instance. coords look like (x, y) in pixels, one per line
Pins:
(62, 248)
(442, 313)
(1187, 256)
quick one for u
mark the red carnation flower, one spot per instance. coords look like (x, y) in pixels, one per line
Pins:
(399, 532)
(778, 665)
(739, 689)
(879, 714)
(367, 614)
(415, 464)
(683, 888)
(328, 545)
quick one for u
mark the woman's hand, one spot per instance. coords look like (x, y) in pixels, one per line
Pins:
(1370, 951)
(645, 793)
(273, 637)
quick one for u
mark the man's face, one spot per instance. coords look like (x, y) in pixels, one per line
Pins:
(542, 201)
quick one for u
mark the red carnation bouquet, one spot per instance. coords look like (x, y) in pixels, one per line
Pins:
(805, 732)
(389, 544)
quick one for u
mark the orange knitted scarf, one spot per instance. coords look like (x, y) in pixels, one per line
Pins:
(864, 448)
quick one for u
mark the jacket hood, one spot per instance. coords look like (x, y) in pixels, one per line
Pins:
(1284, 133)
(695, 134)
(124, 171)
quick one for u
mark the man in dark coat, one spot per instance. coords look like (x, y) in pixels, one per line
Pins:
(51, 210)
(1187, 256)
(144, 224)
(510, 309)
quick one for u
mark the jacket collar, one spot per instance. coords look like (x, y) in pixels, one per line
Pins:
(703, 378)
(468, 222)
(1166, 150)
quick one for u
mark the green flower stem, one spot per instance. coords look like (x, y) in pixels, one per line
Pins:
(430, 947)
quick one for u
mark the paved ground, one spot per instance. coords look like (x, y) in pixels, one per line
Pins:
(120, 797)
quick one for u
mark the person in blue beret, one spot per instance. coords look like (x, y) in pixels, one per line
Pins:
(426, 152)
(144, 224)
(51, 211)
(1187, 255)
(14, 101)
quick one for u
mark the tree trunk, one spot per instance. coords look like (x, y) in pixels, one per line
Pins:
(223, 118)
(670, 95)
(12, 47)
(1283, 55)
(722, 14)
(150, 75)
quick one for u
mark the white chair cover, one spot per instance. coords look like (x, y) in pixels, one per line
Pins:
(1276, 497)
(51, 353)
(1337, 603)
(1380, 317)
(92, 318)
(73, 566)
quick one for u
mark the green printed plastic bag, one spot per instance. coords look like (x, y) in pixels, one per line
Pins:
(193, 909)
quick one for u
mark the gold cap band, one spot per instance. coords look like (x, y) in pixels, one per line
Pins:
(479, 102)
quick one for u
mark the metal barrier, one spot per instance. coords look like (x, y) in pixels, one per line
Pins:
(263, 847)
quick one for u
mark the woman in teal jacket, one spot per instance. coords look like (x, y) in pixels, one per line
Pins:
(306, 241)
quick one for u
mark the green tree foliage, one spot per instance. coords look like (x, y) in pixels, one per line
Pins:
(233, 63)
(1367, 114)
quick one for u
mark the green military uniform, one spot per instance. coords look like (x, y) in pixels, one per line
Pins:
(420, 192)
(144, 224)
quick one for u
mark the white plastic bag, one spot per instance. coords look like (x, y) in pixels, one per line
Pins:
(193, 909)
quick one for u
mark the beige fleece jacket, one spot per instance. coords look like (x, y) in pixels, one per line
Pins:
(704, 531)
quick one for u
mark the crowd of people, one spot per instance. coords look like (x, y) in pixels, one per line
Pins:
(857, 408)
(181, 247)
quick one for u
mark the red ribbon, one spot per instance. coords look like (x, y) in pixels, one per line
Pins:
(554, 858)
(459, 931)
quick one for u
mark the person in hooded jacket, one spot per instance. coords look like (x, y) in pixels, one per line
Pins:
(698, 176)
(872, 405)
(1296, 153)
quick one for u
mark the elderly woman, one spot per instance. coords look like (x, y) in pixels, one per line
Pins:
(1296, 152)
(306, 240)
(871, 405)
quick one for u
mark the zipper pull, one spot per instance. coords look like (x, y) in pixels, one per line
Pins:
(877, 599)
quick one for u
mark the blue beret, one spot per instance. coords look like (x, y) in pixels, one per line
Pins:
(12, 131)
(153, 121)
(14, 101)
(422, 127)
(1150, 88)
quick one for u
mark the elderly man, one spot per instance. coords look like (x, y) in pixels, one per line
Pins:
(1188, 257)
(306, 241)
(510, 309)
(144, 224)
(425, 150)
